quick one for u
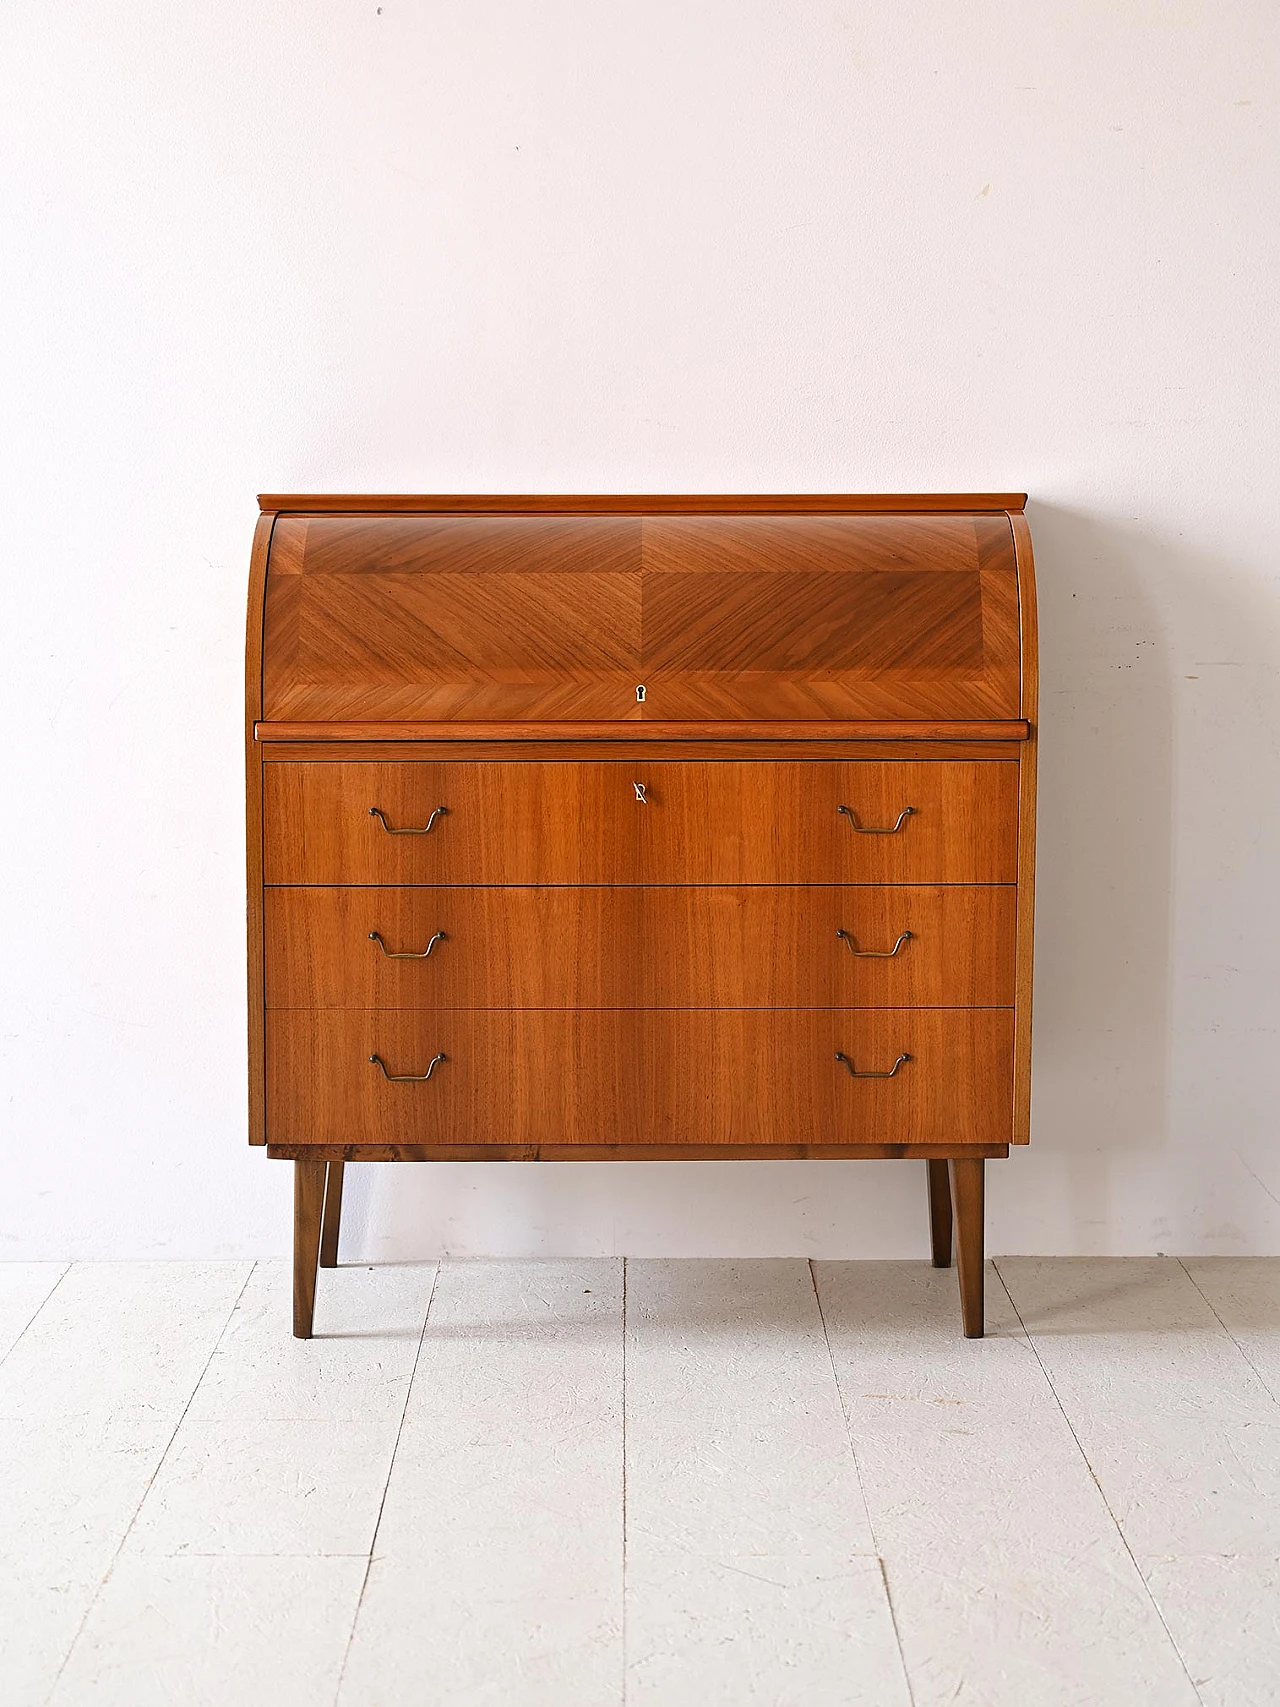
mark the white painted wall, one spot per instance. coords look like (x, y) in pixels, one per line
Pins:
(718, 245)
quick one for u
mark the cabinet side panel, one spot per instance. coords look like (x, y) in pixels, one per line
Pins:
(1026, 830)
(253, 826)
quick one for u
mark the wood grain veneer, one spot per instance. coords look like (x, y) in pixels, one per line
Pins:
(253, 823)
(550, 1076)
(830, 730)
(592, 503)
(1027, 766)
(462, 747)
(641, 717)
(663, 618)
(732, 822)
(679, 946)
(628, 1153)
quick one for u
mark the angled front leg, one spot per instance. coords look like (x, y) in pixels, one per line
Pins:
(332, 1216)
(308, 1207)
(939, 1213)
(967, 1193)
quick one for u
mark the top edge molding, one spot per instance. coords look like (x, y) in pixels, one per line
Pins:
(402, 503)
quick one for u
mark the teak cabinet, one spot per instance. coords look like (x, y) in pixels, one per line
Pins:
(588, 828)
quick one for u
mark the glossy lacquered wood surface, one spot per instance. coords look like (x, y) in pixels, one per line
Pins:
(544, 1076)
(637, 504)
(308, 1208)
(453, 1152)
(253, 824)
(1028, 761)
(397, 618)
(584, 823)
(736, 729)
(692, 767)
(634, 740)
(640, 947)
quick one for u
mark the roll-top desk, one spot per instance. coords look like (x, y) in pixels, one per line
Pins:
(641, 828)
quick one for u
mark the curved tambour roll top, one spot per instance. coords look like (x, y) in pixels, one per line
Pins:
(825, 615)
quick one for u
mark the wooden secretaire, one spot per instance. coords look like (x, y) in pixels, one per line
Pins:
(587, 828)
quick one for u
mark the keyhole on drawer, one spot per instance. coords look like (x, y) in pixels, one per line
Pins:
(640, 793)
(640, 692)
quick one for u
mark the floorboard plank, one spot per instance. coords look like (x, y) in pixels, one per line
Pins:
(1010, 1583)
(215, 1633)
(1182, 1435)
(356, 1367)
(751, 1568)
(24, 1287)
(90, 1396)
(1244, 1294)
(287, 1444)
(1167, 1371)
(497, 1572)
(1225, 1613)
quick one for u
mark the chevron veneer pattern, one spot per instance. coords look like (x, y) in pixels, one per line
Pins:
(408, 618)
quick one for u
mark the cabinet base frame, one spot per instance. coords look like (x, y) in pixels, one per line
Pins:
(956, 1189)
(627, 1152)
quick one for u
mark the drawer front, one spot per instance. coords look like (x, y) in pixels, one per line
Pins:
(640, 822)
(753, 1077)
(637, 947)
(537, 1076)
(740, 1077)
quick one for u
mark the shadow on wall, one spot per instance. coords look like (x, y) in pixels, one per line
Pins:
(1128, 1152)
(1158, 714)
(1104, 856)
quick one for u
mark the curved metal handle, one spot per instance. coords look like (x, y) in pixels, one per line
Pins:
(871, 953)
(877, 829)
(407, 953)
(855, 1074)
(377, 812)
(406, 1078)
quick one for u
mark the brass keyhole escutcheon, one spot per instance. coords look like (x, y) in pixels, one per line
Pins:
(641, 796)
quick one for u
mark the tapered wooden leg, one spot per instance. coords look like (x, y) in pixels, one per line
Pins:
(939, 1213)
(967, 1193)
(332, 1216)
(308, 1207)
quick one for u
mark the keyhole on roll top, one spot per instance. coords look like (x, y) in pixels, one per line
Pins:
(640, 794)
(640, 692)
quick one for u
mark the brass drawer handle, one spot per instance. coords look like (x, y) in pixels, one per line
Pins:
(877, 829)
(855, 1074)
(406, 1078)
(874, 953)
(407, 953)
(377, 812)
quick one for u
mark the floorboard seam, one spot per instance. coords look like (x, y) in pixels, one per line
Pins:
(66, 1270)
(382, 1503)
(862, 1488)
(1124, 1540)
(191, 1397)
(1262, 1380)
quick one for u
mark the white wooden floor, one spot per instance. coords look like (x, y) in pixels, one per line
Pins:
(582, 1485)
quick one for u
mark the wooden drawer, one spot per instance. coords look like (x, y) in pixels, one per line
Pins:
(541, 1076)
(585, 822)
(640, 947)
